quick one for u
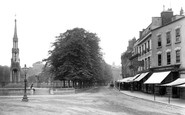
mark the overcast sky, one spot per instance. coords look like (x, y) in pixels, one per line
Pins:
(39, 21)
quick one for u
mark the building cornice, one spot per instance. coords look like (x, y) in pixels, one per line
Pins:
(145, 37)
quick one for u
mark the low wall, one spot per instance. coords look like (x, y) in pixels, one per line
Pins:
(13, 91)
(38, 91)
(59, 91)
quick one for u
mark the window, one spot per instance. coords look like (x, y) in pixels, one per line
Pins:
(159, 59)
(148, 62)
(148, 45)
(138, 50)
(135, 50)
(142, 49)
(159, 41)
(177, 34)
(177, 56)
(168, 38)
(145, 63)
(145, 49)
(168, 58)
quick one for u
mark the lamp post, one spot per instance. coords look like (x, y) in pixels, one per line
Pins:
(25, 98)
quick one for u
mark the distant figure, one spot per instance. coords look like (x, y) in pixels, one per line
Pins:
(32, 88)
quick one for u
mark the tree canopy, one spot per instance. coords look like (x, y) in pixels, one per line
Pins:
(76, 56)
(4, 73)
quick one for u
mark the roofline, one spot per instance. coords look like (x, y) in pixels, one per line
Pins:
(168, 23)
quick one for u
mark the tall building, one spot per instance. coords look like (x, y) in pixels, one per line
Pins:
(142, 54)
(168, 51)
(158, 56)
(15, 61)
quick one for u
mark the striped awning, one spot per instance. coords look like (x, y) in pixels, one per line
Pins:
(183, 85)
(178, 81)
(128, 79)
(157, 78)
(141, 76)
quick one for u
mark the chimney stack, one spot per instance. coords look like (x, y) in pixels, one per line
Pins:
(166, 16)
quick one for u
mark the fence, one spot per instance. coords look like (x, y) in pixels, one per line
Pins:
(54, 84)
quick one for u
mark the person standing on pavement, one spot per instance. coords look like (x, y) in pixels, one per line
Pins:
(32, 88)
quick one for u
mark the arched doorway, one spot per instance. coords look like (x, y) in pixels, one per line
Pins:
(15, 75)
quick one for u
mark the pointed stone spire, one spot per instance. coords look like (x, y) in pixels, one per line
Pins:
(15, 60)
(15, 38)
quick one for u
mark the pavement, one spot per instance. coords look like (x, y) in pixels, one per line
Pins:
(161, 99)
(94, 101)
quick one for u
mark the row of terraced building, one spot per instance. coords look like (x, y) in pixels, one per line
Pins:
(158, 57)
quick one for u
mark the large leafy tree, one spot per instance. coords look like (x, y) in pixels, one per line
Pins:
(4, 75)
(107, 73)
(76, 56)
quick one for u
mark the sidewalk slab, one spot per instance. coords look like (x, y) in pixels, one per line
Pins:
(171, 101)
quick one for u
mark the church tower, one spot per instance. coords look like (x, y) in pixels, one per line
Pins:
(15, 61)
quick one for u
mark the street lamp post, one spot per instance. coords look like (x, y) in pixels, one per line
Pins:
(25, 98)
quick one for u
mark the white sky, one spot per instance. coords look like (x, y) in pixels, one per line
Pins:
(39, 21)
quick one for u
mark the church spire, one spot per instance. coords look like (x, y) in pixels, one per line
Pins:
(15, 32)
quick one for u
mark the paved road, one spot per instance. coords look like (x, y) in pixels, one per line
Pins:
(96, 101)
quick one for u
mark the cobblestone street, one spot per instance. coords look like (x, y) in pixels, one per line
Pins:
(99, 100)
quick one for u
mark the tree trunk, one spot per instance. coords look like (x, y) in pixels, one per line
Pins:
(64, 83)
(73, 84)
(68, 83)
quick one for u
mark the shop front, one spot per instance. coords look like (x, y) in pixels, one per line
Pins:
(160, 76)
(128, 83)
(138, 82)
(176, 86)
